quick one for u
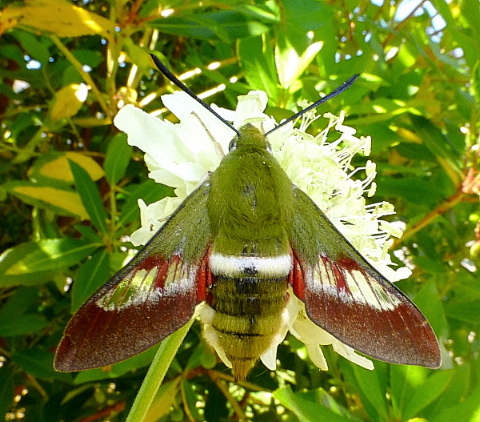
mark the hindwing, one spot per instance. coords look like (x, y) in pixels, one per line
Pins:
(350, 299)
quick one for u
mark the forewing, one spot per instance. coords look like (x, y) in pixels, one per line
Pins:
(347, 297)
(147, 300)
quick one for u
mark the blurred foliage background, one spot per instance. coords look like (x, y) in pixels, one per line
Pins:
(65, 69)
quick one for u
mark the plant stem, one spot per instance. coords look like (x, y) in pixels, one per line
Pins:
(160, 364)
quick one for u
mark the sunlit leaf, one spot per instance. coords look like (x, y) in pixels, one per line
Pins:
(434, 386)
(61, 201)
(225, 25)
(165, 398)
(56, 16)
(89, 196)
(35, 262)
(68, 101)
(310, 411)
(91, 275)
(55, 165)
(117, 159)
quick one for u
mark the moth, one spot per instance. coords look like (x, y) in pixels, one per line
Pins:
(243, 242)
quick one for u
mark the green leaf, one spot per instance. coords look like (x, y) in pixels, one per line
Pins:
(165, 398)
(466, 410)
(20, 302)
(33, 46)
(36, 262)
(225, 25)
(309, 411)
(429, 301)
(54, 168)
(195, 359)
(257, 59)
(38, 363)
(92, 58)
(440, 147)
(190, 399)
(216, 404)
(413, 189)
(457, 391)
(48, 196)
(464, 311)
(62, 18)
(404, 380)
(156, 373)
(117, 158)
(471, 13)
(90, 276)
(291, 65)
(429, 391)
(90, 197)
(6, 389)
(88, 233)
(20, 325)
(307, 15)
(373, 388)
(320, 396)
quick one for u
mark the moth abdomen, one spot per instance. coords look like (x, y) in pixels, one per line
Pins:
(247, 308)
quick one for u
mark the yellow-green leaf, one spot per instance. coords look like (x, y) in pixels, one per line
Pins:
(56, 16)
(59, 199)
(33, 263)
(68, 101)
(87, 163)
(164, 399)
(58, 168)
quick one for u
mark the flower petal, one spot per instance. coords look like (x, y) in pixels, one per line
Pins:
(143, 130)
(269, 358)
(183, 106)
(250, 106)
(152, 218)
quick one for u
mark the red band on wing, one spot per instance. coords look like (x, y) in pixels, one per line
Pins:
(363, 310)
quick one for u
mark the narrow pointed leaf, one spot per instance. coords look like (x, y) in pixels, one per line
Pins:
(91, 275)
(49, 197)
(117, 159)
(435, 385)
(33, 263)
(90, 197)
(306, 410)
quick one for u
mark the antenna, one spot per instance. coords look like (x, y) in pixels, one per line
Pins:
(347, 84)
(169, 75)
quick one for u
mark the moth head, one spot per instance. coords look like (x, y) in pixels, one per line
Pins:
(249, 137)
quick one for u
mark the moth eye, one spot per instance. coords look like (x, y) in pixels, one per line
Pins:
(233, 145)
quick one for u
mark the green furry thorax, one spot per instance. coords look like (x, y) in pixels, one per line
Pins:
(251, 201)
